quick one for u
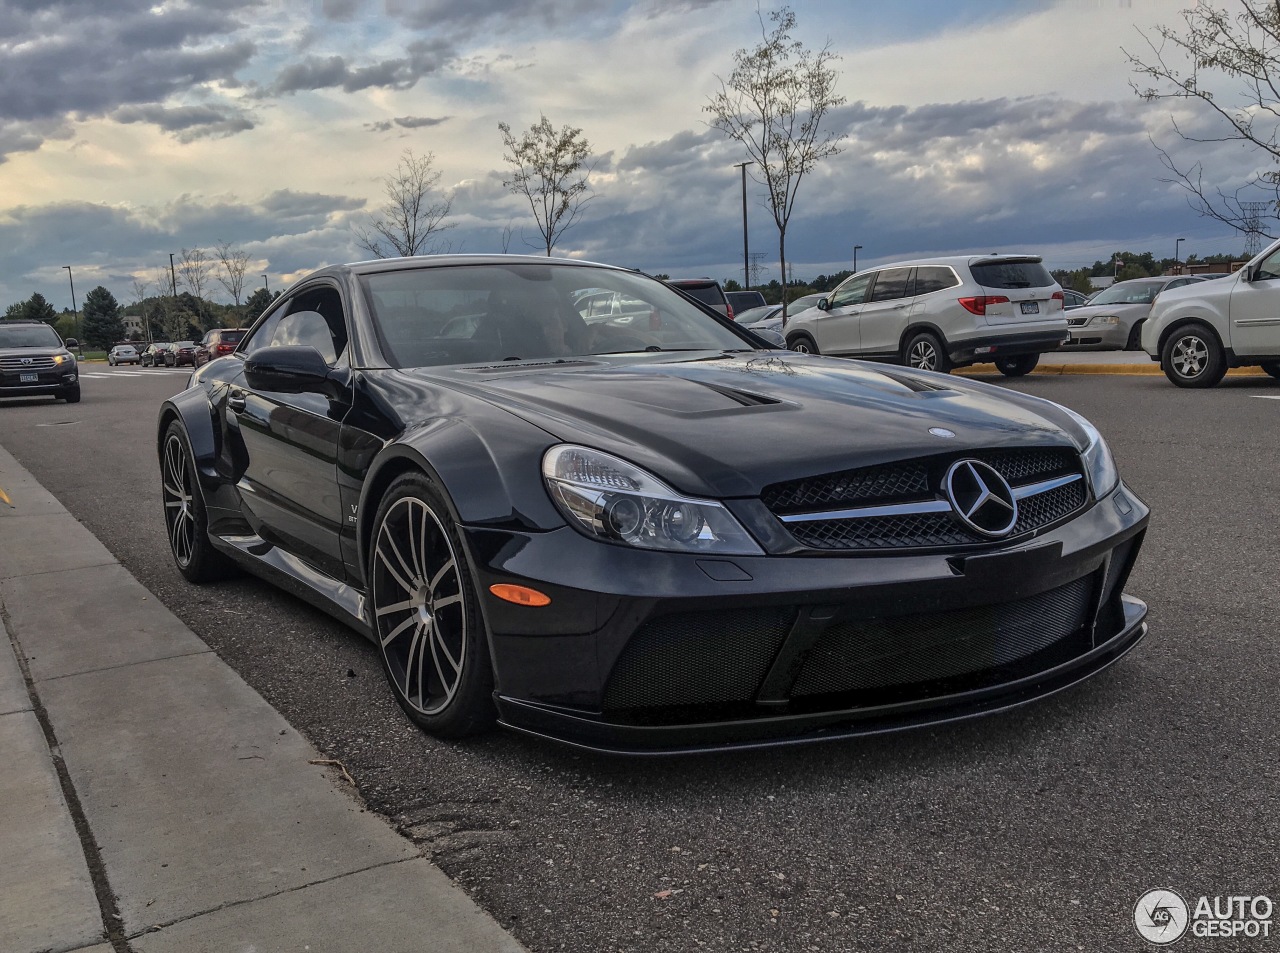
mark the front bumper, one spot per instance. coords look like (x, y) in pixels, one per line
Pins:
(1102, 337)
(50, 382)
(643, 652)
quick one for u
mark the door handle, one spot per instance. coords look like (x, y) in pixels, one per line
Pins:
(236, 401)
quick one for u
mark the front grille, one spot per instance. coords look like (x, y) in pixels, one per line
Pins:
(869, 654)
(693, 658)
(37, 364)
(917, 481)
(1077, 322)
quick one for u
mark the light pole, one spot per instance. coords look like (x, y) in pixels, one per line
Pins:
(173, 277)
(265, 287)
(855, 258)
(1177, 262)
(746, 255)
(75, 307)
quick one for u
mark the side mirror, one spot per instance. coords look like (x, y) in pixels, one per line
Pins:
(70, 343)
(824, 304)
(292, 369)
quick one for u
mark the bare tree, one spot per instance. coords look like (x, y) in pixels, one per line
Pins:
(233, 262)
(1240, 55)
(773, 103)
(194, 271)
(550, 170)
(412, 219)
(140, 287)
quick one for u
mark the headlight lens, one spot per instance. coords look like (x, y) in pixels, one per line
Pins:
(1098, 462)
(610, 499)
(64, 358)
(1105, 319)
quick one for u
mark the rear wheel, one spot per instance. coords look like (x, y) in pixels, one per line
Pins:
(803, 344)
(1272, 368)
(425, 613)
(1192, 357)
(925, 352)
(1135, 338)
(1017, 365)
(185, 518)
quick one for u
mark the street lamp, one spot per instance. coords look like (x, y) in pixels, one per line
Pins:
(855, 258)
(75, 307)
(264, 285)
(1177, 262)
(173, 276)
(746, 257)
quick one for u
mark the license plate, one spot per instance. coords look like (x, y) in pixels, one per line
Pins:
(1031, 307)
(28, 378)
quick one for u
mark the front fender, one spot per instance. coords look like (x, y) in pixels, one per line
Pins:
(192, 408)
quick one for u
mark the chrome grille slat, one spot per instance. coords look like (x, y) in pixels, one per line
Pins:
(37, 363)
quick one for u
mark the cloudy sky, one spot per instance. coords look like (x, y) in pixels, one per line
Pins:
(130, 129)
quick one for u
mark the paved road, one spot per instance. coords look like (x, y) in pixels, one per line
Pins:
(1034, 830)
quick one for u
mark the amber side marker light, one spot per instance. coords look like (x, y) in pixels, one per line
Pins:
(520, 595)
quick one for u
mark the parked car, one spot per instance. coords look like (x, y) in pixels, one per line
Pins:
(754, 315)
(741, 301)
(1200, 330)
(706, 290)
(34, 360)
(153, 354)
(939, 313)
(769, 318)
(644, 538)
(1113, 320)
(217, 343)
(1072, 299)
(123, 354)
(181, 353)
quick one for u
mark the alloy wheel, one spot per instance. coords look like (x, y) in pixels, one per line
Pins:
(1190, 356)
(419, 607)
(923, 356)
(179, 505)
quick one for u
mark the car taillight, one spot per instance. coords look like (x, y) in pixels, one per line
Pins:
(978, 304)
(1060, 298)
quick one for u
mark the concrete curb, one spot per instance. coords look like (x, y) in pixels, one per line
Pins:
(153, 800)
(1137, 370)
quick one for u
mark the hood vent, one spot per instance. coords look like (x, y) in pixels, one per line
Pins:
(742, 397)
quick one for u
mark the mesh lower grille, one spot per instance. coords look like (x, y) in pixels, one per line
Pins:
(696, 658)
(905, 650)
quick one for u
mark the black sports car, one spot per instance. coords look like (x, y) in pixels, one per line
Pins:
(649, 532)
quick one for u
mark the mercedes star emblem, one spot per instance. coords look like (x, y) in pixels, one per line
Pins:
(981, 497)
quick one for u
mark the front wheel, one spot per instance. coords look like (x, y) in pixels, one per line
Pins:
(1192, 357)
(425, 613)
(1017, 365)
(72, 394)
(803, 344)
(925, 352)
(1135, 338)
(185, 519)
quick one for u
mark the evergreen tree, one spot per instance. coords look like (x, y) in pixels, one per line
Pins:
(258, 302)
(35, 308)
(103, 325)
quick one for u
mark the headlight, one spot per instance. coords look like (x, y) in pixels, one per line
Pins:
(608, 498)
(1105, 319)
(65, 358)
(1098, 462)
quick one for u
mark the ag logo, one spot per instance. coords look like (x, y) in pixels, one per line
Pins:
(1161, 917)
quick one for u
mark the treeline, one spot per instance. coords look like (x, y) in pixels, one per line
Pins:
(1124, 265)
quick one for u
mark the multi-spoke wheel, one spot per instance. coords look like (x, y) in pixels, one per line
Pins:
(184, 513)
(926, 353)
(1192, 357)
(803, 344)
(424, 613)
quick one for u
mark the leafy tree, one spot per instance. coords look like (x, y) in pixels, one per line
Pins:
(1228, 65)
(773, 104)
(257, 303)
(102, 322)
(550, 170)
(412, 219)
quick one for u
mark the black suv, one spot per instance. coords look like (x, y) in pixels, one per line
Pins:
(33, 360)
(706, 290)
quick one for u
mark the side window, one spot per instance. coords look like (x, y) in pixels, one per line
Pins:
(931, 278)
(314, 317)
(890, 283)
(852, 291)
(1269, 267)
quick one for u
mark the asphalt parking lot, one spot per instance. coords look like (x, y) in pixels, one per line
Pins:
(1037, 829)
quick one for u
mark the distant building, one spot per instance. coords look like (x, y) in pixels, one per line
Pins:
(1098, 282)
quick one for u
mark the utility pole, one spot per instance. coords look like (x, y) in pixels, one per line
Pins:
(855, 258)
(173, 276)
(265, 287)
(75, 308)
(746, 255)
(1177, 262)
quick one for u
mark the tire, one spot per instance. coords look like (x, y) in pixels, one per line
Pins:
(925, 352)
(72, 394)
(185, 521)
(803, 344)
(1192, 357)
(1272, 368)
(111, 362)
(1135, 337)
(1018, 365)
(425, 613)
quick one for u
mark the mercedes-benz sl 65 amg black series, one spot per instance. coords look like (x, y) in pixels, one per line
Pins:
(637, 527)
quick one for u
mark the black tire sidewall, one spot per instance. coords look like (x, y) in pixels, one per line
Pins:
(1215, 367)
(207, 564)
(805, 340)
(471, 710)
(943, 365)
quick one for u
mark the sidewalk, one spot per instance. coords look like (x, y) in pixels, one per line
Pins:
(152, 801)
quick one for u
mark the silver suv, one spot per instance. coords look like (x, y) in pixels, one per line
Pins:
(940, 313)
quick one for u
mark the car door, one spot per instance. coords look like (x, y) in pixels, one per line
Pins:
(1255, 308)
(884, 317)
(837, 327)
(289, 485)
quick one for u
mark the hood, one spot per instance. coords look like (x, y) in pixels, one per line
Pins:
(727, 425)
(1123, 310)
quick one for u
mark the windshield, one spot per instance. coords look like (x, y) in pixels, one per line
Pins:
(29, 335)
(1129, 292)
(484, 314)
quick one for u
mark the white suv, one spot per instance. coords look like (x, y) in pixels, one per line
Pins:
(1199, 331)
(940, 313)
